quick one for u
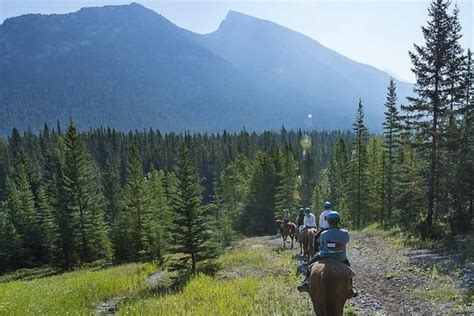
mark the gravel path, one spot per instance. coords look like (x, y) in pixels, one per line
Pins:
(389, 278)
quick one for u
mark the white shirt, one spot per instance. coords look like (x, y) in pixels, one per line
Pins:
(310, 220)
(323, 223)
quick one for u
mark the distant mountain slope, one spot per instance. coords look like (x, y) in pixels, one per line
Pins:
(128, 67)
(323, 81)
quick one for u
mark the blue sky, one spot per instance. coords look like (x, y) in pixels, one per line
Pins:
(376, 32)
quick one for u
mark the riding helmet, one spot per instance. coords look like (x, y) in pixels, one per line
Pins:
(327, 205)
(333, 215)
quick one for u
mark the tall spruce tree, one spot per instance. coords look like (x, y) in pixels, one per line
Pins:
(47, 226)
(429, 109)
(130, 234)
(338, 174)
(157, 219)
(287, 195)
(259, 214)
(358, 167)
(391, 128)
(192, 238)
(84, 200)
(112, 191)
(11, 244)
(21, 206)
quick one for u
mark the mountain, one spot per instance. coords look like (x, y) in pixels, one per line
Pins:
(129, 67)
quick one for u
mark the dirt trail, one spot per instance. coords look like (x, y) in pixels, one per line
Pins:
(390, 280)
(109, 307)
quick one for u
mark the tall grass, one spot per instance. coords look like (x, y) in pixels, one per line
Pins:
(255, 280)
(74, 293)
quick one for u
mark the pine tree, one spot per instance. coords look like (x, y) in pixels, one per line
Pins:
(21, 205)
(322, 190)
(157, 219)
(48, 227)
(391, 140)
(358, 167)
(429, 110)
(84, 200)
(338, 174)
(135, 206)
(259, 214)
(11, 245)
(464, 214)
(287, 197)
(112, 192)
(375, 177)
(192, 236)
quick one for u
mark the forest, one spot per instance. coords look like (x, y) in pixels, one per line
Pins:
(71, 197)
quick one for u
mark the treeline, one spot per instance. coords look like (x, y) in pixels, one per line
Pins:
(70, 198)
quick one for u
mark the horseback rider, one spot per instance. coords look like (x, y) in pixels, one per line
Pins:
(299, 222)
(323, 223)
(333, 245)
(286, 219)
(309, 219)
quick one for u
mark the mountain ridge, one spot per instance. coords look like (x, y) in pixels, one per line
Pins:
(129, 67)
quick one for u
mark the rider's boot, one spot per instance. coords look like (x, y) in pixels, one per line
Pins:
(302, 268)
(304, 286)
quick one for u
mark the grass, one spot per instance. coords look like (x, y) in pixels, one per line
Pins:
(255, 280)
(74, 293)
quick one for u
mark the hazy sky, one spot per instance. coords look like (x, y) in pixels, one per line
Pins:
(376, 32)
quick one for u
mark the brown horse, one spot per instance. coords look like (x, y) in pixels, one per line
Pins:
(286, 230)
(307, 239)
(330, 286)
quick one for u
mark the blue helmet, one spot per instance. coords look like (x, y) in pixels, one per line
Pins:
(327, 205)
(307, 210)
(301, 210)
(333, 216)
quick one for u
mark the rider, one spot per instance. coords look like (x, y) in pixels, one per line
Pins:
(309, 219)
(286, 218)
(323, 223)
(333, 245)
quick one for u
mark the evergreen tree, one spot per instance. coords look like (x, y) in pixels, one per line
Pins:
(11, 245)
(48, 227)
(112, 192)
(322, 190)
(338, 174)
(259, 214)
(375, 177)
(84, 200)
(391, 140)
(157, 219)
(21, 205)
(192, 236)
(429, 110)
(135, 205)
(463, 214)
(287, 196)
(358, 169)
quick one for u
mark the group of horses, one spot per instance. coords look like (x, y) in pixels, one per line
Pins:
(329, 281)
(305, 238)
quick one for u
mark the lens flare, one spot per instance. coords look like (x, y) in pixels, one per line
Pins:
(306, 143)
